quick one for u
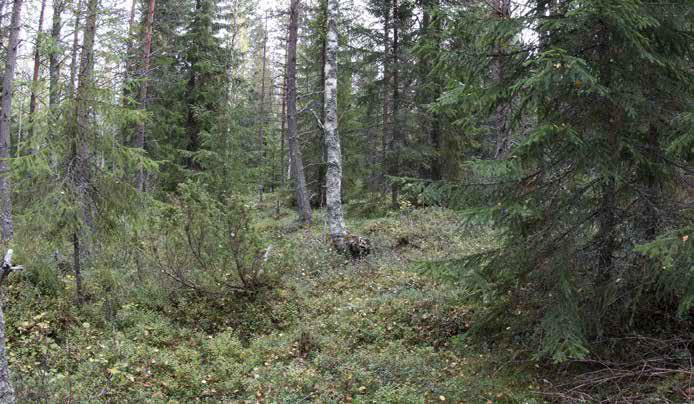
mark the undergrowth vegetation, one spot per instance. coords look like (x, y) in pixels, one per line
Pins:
(316, 327)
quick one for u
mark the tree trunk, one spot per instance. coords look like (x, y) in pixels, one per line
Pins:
(2, 20)
(75, 49)
(302, 199)
(142, 96)
(83, 130)
(430, 88)
(37, 69)
(333, 178)
(128, 95)
(6, 114)
(261, 114)
(397, 141)
(261, 127)
(283, 129)
(386, 91)
(320, 184)
(502, 11)
(77, 268)
(54, 60)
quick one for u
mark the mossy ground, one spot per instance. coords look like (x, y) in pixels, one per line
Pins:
(379, 329)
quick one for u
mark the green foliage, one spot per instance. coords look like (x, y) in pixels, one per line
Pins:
(333, 330)
(211, 246)
(586, 180)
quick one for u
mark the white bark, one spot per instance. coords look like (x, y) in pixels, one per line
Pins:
(6, 113)
(333, 177)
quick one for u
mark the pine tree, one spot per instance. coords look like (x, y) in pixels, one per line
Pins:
(295, 156)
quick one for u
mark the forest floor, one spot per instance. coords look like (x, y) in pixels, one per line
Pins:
(380, 329)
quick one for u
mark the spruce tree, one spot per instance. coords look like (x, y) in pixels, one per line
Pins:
(594, 176)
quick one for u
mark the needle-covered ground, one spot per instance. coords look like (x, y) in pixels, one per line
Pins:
(381, 329)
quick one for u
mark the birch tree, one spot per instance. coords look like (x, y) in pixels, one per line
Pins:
(292, 135)
(333, 177)
(5, 115)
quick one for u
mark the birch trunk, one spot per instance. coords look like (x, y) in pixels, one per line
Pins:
(142, 96)
(292, 135)
(333, 177)
(2, 22)
(6, 114)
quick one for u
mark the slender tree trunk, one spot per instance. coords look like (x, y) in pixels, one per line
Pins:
(430, 89)
(607, 218)
(386, 136)
(261, 115)
(261, 126)
(6, 114)
(37, 68)
(333, 178)
(320, 184)
(129, 60)
(283, 129)
(283, 135)
(2, 21)
(83, 130)
(397, 135)
(6, 391)
(502, 11)
(142, 96)
(54, 59)
(302, 199)
(231, 63)
(77, 267)
(75, 49)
